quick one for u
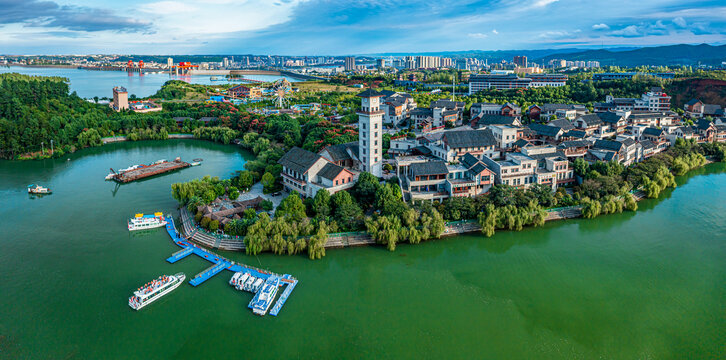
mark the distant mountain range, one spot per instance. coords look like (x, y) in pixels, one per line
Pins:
(659, 55)
(624, 56)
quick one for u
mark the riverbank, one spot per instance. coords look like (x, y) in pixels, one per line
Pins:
(563, 290)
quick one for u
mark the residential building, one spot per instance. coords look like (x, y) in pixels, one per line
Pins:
(454, 144)
(470, 177)
(425, 180)
(350, 63)
(307, 172)
(120, 98)
(489, 120)
(553, 166)
(516, 170)
(505, 135)
(370, 132)
(625, 151)
(653, 100)
(520, 61)
(696, 109)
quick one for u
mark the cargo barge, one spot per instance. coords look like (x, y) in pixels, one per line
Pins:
(143, 171)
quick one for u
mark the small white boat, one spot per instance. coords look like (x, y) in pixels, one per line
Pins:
(196, 163)
(37, 189)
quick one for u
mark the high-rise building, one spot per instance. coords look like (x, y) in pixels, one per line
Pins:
(410, 62)
(349, 63)
(520, 61)
(225, 63)
(169, 62)
(381, 63)
(370, 133)
(428, 62)
(120, 98)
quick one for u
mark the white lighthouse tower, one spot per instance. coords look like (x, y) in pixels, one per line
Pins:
(370, 133)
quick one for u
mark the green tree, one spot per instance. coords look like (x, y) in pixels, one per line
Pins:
(291, 207)
(321, 203)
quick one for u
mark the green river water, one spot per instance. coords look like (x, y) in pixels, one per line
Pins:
(645, 285)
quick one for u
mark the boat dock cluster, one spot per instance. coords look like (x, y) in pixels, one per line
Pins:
(262, 283)
(144, 171)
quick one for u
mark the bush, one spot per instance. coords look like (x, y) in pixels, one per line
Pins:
(198, 216)
(266, 205)
(233, 195)
(205, 222)
(213, 225)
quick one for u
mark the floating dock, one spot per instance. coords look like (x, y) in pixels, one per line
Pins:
(220, 264)
(150, 170)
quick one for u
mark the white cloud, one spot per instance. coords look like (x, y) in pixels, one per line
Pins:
(542, 3)
(630, 30)
(189, 18)
(495, 32)
(477, 35)
(600, 26)
(680, 22)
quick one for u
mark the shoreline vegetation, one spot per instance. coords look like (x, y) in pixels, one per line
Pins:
(377, 208)
(35, 110)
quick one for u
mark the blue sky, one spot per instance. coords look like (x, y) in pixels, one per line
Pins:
(329, 27)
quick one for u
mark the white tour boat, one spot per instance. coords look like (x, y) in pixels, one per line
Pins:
(155, 289)
(142, 222)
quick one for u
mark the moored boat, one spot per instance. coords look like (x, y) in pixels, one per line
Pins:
(141, 221)
(266, 296)
(37, 189)
(155, 289)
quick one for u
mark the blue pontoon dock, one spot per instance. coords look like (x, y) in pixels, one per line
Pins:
(220, 264)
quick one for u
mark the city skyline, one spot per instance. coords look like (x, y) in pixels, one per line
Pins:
(319, 27)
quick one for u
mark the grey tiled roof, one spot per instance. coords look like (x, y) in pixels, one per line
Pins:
(564, 124)
(545, 130)
(574, 143)
(429, 168)
(653, 131)
(591, 119)
(330, 171)
(470, 138)
(339, 152)
(298, 160)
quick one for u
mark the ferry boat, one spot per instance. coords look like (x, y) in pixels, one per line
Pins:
(141, 221)
(37, 189)
(266, 297)
(155, 289)
(238, 279)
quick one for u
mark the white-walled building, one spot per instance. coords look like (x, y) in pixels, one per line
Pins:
(370, 133)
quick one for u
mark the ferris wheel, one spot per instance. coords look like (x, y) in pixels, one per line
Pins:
(280, 88)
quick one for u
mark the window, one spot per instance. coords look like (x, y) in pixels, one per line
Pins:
(336, 182)
(364, 126)
(375, 126)
(375, 134)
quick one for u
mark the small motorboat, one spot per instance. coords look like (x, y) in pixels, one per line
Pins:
(37, 189)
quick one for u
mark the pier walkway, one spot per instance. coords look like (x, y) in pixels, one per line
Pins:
(179, 255)
(220, 264)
